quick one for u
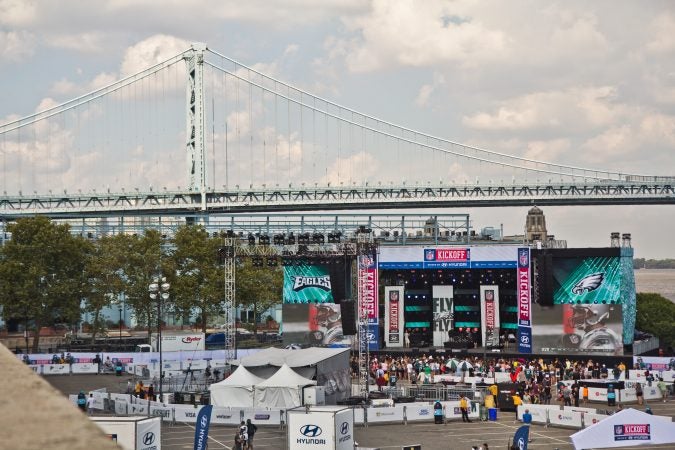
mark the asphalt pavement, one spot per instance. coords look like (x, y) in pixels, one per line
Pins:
(451, 436)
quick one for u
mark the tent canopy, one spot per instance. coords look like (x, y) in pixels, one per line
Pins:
(237, 390)
(627, 428)
(282, 390)
(293, 358)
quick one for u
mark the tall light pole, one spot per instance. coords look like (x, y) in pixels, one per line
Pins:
(159, 290)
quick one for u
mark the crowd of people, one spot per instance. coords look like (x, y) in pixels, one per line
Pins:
(538, 381)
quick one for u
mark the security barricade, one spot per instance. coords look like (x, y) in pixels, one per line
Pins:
(565, 418)
(185, 413)
(592, 419)
(37, 368)
(359, 415)
(226, 416)
(121, 407)
(580, 409)
(418, 412)
(379, 415)
(540, 413)
(55, 369)
(138, 409)
(84, 368)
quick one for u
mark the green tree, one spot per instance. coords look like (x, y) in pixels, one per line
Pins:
(41, 274)
(143, 259)
(103, 271)
(199, 283)
(258, 288)
(656, 315)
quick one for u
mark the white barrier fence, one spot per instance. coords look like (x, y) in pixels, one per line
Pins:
(569, 416)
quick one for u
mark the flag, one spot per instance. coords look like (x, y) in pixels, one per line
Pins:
(202, 427)
(521, 437)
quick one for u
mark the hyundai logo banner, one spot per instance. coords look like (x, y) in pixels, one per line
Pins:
(202, 427)
(524, 340)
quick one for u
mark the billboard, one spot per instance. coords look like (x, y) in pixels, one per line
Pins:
(318, 325)
(592, 279)
(585, 329)
(443, 299)
(448, 257)
(523, 284)
(393, 316)
(314, 283)
(489, 307)
(367, 286)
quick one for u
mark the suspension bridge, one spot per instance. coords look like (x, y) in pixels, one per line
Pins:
(202, 134)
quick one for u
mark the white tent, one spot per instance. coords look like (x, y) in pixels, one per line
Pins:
(627, 428)
(283, 389)
(237, 390)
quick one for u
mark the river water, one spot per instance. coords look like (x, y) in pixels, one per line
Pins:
(661, 281)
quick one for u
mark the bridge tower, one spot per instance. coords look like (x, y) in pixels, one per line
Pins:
(195, 152)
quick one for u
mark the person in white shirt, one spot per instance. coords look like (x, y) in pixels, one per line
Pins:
(90, 405)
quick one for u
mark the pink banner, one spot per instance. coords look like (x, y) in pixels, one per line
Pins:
(524, 316)
(368, 286)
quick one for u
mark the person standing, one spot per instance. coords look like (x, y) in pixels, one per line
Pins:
(639, 393)
(243, 433)
(464, 408)
(82, 401)
(663, 388)
(97, 361)
(252, 429)
(527, 420)
(90, 405)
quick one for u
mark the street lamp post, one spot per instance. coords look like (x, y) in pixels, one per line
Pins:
(119, 307)
(159, 290)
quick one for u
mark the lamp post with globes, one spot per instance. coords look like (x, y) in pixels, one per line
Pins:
(159, 290)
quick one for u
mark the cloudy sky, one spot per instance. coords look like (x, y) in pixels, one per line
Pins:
(590, 84)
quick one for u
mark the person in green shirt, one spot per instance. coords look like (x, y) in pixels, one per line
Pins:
(663, 388)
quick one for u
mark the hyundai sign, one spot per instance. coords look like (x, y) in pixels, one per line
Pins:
(322, 428)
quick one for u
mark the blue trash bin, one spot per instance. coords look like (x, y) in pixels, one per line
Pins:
(492, 414)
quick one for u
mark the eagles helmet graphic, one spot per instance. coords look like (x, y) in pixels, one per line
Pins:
(588, 283)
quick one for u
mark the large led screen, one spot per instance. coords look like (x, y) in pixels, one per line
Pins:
(314, 283)
(591, 279)
(313, 325)
(585, 329)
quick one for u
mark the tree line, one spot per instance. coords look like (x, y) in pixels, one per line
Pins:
(642, 263)
(50, 276)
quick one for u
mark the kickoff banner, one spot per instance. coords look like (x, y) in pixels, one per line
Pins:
(367, 279)
(524, 302)
(202, 427)
(443, 301)
(393, 313)
(489, 307)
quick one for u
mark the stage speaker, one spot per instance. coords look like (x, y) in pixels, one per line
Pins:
(348, 310)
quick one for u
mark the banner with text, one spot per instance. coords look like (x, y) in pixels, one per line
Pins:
(489, 307)
(524, 302)
(393, 313)
(367, 279)
(443, 298)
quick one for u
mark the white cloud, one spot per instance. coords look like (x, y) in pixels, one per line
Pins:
(15, 45)
(426, 90)
(17, 13)
(419, 34)
(570, 110)
(151, 51)
(81, 42)
(663, 34)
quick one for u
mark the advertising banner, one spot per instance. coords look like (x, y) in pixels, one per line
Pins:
(587, 280)
(344, 430)
(56, 369)
(202, 428)
(315, 430)
(489, 307)
(393, 313)
(373, 336)
(367, 280)
(448, 257)
(443, 300)
(318, 325)
(149, 434)
(524, 301)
